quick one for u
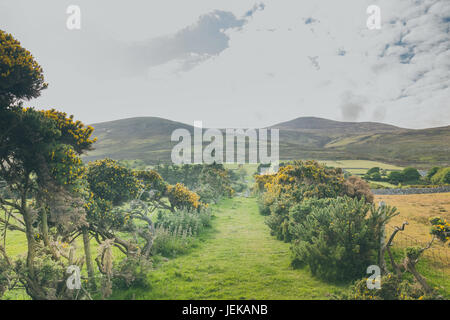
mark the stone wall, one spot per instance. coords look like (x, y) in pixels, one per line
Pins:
(411, 190)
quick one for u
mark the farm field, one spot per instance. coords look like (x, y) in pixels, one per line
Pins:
(417, 209)
(359, 167)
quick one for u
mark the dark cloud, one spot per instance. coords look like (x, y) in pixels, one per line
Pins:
(255, 8)
(202, 40)
(310, 20)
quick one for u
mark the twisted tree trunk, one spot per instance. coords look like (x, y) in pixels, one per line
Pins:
(88, 256)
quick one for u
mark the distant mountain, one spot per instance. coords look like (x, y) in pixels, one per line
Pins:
(148, 139)
(145, 138)
(319, 124)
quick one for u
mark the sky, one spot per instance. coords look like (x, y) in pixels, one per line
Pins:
(240, 63)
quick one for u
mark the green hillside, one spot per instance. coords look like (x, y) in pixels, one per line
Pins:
(148, 139)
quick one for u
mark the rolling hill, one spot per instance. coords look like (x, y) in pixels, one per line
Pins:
(148, 139)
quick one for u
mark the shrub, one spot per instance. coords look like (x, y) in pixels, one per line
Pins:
(440, 228)
(184, 221)
(393, 287)
(210, 181)
(396, 177)
(410, 174)
(340, 240)
(110, 181)
(263, 209)
(355, 187)
(131, 273)
(442, 176)
(373, 170)
(432, 172)
(295, 182)
(171, 243)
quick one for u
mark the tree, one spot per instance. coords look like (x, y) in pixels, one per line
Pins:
(21, 77)
(118, 197)
(110, 181)
(432, 172)
(40, 163)
(442, 176)
(40, 167)
(373, 170)
(440, 229)
(396, 177)
(410, 174)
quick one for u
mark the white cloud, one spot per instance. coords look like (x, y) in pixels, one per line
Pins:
(294, 58)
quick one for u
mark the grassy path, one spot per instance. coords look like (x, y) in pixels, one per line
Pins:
(238, 259)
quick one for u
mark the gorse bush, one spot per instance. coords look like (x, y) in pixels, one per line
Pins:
(393, 287)
(338, 241)
(331, 222)
(299, 181)
(210, 181)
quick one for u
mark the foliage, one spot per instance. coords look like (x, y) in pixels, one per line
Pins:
(298, 181)
(112, 182)
(340, 240)
(171, 243)
(191, 223)
(40, 162)
(210, 181)
(182, 198)
(131, 272)
(21, 77)
(175, 232)
(440, 228)
(410, 174)
(407, 175)
(432, 172)
(396, 177)
(442, 176)
(355, 187)
(152, 181)
(240, 256)
(374, 170)
(393, 287)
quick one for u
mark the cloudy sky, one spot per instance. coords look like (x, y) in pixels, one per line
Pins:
(241, 63)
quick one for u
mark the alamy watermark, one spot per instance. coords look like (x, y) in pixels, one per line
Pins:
(74, 280)
(225, 145)
(374, 281)
(73, 21)
(374, 20)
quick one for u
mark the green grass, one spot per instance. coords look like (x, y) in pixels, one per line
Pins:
(359, 166)
(236, 259)
(384, 184)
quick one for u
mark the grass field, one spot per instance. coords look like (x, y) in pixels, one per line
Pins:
(359, 167)
(416, 209)
(238, 259)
